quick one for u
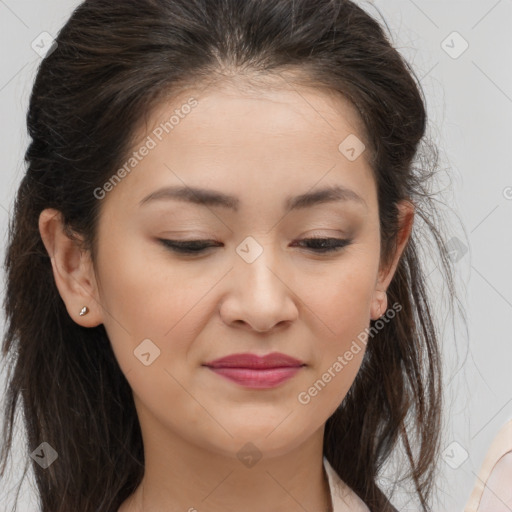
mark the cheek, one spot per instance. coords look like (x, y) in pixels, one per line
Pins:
(340, 299)
(146, 296)
(339, 306)
(139, 287)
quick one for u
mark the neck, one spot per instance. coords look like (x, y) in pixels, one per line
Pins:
(179, 476)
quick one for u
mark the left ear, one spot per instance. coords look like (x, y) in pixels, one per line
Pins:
(405, 220)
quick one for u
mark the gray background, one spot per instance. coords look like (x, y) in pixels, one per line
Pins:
(469, 99)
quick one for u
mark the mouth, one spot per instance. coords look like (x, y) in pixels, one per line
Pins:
(256, 372)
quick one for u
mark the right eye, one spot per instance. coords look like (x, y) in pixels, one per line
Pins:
(188, 247)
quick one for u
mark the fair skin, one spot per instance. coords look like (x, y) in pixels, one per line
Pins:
(497, 495)
(261, 148)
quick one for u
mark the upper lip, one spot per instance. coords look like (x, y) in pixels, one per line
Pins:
(253, 361)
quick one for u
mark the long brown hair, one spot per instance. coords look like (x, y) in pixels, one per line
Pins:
(114, 62)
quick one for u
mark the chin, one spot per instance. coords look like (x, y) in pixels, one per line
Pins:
(266, 439)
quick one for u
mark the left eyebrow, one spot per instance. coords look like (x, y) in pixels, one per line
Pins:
(207, 197)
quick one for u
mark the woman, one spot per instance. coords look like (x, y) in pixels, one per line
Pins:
(215, 298)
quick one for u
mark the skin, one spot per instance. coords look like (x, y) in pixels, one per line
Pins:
(497, 495)
(261, 147)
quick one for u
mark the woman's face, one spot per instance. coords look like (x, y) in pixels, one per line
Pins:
(260, 288)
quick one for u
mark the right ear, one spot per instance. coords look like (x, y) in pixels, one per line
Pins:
(72, 270)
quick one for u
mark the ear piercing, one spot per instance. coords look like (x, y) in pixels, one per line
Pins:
(382, 305)
(84, 311)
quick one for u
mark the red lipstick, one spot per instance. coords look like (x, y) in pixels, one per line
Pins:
(256, 372)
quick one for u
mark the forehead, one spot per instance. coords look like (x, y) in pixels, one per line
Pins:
(278, 139)
(273, 106)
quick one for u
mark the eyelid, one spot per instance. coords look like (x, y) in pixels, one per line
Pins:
(186, 247)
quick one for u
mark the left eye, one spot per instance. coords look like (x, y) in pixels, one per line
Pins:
(319, 245)
(326, 244)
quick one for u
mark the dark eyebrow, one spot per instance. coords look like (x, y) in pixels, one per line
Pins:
(206, 197)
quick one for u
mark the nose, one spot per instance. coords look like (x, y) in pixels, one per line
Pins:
(260, 295)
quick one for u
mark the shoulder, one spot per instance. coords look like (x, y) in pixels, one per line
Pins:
(496, 474)
(343, 498)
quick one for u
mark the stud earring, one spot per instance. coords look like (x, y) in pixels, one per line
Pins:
(382, 303)
(84, 311)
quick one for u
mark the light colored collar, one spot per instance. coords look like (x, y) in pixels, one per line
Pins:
(343, 498)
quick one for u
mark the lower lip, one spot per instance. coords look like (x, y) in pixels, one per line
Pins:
(257, 379)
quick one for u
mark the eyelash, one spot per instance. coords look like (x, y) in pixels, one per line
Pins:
(195, 247)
